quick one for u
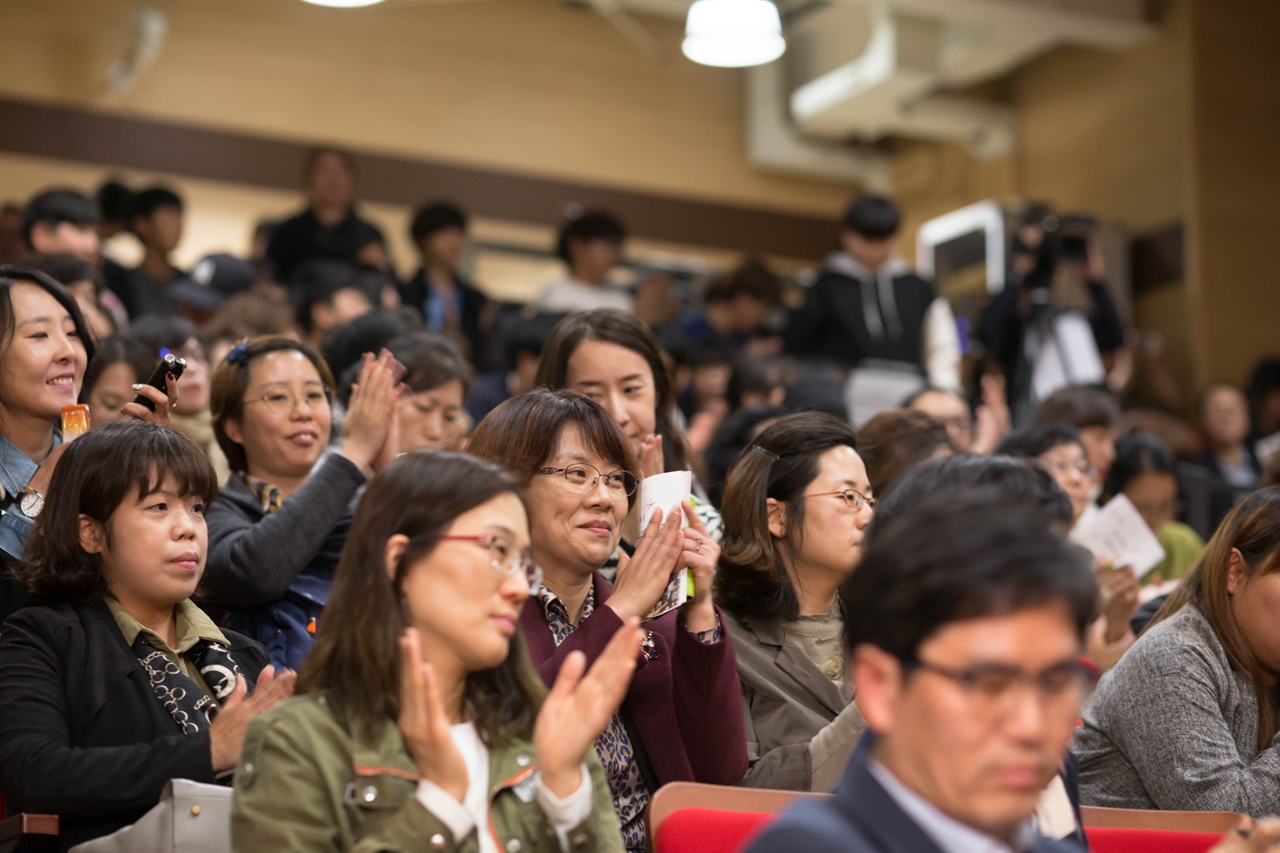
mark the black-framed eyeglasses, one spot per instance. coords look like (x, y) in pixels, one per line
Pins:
(506, 559)
(994, 686)
(853, 498)
(583, 478)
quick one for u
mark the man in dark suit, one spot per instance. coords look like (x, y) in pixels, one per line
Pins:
(964, 652)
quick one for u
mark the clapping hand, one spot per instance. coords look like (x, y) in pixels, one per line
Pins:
(371, 413)
(700, 553)
(226, 732)
(577, 708)
(642, 578)
(424, 722)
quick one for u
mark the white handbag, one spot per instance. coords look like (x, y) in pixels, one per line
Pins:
(191, 817)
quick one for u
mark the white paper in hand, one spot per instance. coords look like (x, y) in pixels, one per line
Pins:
(666, 492)
(1117, 532)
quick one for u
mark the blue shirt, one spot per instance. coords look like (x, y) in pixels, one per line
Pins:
(14, 526)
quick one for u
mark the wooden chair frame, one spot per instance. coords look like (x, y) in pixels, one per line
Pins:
(726, 798)
(1098, 817)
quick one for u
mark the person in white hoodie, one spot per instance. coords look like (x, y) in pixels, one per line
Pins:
(591, 246)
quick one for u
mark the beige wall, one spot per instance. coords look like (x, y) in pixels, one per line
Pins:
(532, 86)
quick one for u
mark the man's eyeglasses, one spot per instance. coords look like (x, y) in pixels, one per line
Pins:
(506, 559)
(582, 477)
(994, 686)
(1057, 466)
(283, 402)
(853, 498)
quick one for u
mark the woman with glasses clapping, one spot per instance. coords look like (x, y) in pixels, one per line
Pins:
(681, 720)
(796, 506)
(278, 525)
(420, 724)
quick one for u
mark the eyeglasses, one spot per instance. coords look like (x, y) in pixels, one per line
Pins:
(993, 686)
(852, 498)
(1057, 466)
(505, 559)
(281, 403)
(580, 477)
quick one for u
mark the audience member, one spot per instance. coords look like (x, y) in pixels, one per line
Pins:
(735, 434)
(590, 246)
(430, 413)
(13, 246)
(894, 440)
(448, 303)
(119, 363)
(278, 525)
(816, 390)
(213, 280)
(614, 359)
(327, 294)
(1264, 407)
(1060, 450)
(190, 416)
(1228, 459)
(84, 282)
(964, 654)
(524, 340)
(736, 307)
(758, 380)
(1188, 718)
(45, 346)
(329, 228)
(1143, 472)
(420, 688)
(345, 345)
(62, 221)
(115, 203)
(971, 432)
(682, 718)
(868, 306)
(115, 682)
(156, 220)
(1094, 413)
(795, 508)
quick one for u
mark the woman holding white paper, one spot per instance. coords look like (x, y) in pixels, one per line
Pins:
(682, 719)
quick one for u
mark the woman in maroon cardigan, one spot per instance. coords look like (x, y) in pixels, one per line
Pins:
(682, 717)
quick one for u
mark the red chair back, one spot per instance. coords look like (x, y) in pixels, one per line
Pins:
(708, 831)
(1117, 840)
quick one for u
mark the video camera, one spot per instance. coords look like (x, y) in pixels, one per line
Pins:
(1065, 238)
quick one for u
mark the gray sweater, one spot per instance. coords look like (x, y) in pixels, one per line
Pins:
(1172, 726)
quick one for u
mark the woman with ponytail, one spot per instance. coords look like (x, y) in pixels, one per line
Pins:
(796, 507)
(1188, 718)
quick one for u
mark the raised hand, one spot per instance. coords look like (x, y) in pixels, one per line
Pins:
(424, 723)
(1119, 588)
(164, 402)
(642, 578)
(700, 553)
(577, 708)
(373, 405)
(226, 732)
(651, 459)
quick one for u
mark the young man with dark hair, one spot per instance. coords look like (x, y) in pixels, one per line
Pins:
(867, 306)
(327, 294)
(449, 304)
(735, 306)
(329, 228)
(964, 650)
(62, 221)
(1091, 410)
(156, 220)
(591, 246)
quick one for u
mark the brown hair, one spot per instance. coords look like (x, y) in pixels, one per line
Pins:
(612, 326)
(430, 361)
(355, 662)
(1080, 406)
(894, 440)
(524, 432)
(98, 472)
(231, 382)
(1253, 527)
(753, 579)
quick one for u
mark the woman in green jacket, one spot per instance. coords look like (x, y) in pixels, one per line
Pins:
(420, 724)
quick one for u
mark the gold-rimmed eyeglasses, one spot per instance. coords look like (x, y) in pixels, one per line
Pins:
(506, 559)
(853, 498)
(583, 478)
(283, 402)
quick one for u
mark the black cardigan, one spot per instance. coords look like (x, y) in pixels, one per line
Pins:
(82, 734)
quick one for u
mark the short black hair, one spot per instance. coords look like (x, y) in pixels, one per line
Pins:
(148, 201)
(115, 201)
(436, 216)
(65, 269)
(344, 345)
(1080, 406)
(592, 225)
(983, 556)
(159, 331)
(56, 206)
(1015, 479)
(873, 217)
(1136, 454)
(317, 281)
(1034, 441)
(11, 274)
(753, 279)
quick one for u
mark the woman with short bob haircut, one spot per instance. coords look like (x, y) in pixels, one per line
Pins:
(277, 527)
(796, 508)
(113, 681)
(1187, 719)
(681, 721)
(613, 358)
(420, 689)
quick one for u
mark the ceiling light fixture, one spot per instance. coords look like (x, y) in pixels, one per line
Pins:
(342, 4)
(733, 33)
